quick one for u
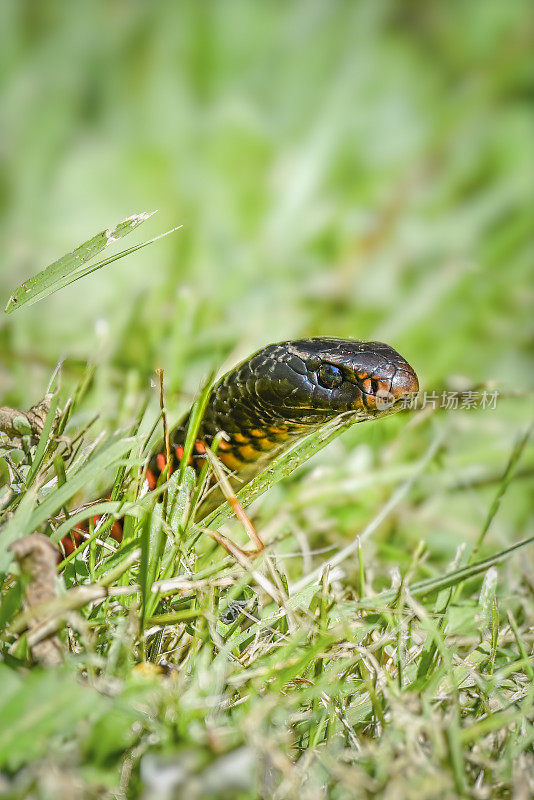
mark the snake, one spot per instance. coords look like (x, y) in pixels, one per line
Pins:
(283, 392)
(271, 400)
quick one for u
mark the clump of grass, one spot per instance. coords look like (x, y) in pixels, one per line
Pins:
(357, 170)
(313, 685)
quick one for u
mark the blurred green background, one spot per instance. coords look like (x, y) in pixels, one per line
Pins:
(353, 169)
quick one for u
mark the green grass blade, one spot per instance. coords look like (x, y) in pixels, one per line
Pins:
(104, 263)
(280, 468)
(70, 268)
(43, 441)
(27, 292)
(195, 418)
(18, 526)
(432, 585)
(503, 486)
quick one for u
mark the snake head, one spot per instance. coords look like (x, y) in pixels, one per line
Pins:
(310, 381)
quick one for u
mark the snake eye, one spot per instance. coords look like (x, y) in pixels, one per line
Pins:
(329, 376)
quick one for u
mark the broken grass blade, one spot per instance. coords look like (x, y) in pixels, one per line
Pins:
(42, 284)
(94, 267)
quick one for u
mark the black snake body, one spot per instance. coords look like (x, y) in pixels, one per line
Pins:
(285, 391)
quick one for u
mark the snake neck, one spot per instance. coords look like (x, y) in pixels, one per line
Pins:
(249, 437)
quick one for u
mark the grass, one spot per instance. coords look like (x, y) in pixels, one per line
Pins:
(343, 169)
(322, 683)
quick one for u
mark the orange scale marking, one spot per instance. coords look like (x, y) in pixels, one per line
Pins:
(230, 461)
(151, 478)
(266, 444)
(248, 452)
